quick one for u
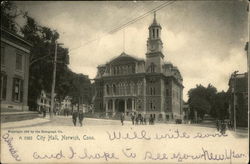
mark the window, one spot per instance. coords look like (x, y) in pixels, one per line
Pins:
(3, 86)
(157, 33)
(17, 94)
(2, 55)
(114, 89)
(151, 68)
(107, 89)
(167, 92)
(19, 61)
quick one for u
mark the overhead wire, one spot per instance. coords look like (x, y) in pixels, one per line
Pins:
(126, 24)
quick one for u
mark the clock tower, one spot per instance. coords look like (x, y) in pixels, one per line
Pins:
(154, 55)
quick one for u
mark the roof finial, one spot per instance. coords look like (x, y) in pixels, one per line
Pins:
(154, 17)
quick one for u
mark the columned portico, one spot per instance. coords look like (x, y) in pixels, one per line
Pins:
(119, 104)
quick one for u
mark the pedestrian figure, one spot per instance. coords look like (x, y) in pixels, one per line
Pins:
(151, 119)
(223, 128)
(80, 117)
(217, 125)
(74, 116)
(136, 119)
(122, 117)
(44, 111)
(144, 120)
(133, 118)
(230, 124)
(139, 118)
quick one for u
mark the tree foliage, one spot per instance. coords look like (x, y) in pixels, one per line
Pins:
(206, 100)
(8, 15)
(42, 54)
(41, 59)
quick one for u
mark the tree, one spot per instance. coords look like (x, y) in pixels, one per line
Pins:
(9, 13)
(41, 60)
(206, 100)
(201, 99)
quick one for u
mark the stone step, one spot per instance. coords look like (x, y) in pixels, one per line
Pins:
(18, 116)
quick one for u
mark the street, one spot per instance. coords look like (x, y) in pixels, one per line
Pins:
(97, 135)
(66, 121)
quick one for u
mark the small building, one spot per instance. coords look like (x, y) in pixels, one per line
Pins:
(44, 100)
(15, 53)
(66, 106)
(238, 101)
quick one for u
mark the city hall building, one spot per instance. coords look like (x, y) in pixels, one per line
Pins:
(129, 84)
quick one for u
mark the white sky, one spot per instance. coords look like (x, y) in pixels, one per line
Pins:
(205, 40)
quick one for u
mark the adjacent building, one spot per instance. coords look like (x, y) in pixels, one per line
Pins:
(149, 87)
(44, 100)
(238, 102)
(15, 53)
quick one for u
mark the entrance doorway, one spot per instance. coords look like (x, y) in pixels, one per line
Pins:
(121, 106)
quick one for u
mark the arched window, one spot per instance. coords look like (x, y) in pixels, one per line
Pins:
(107, 89)
(153, 33)
(157, 33)
(114, 70)
(114, 89)
(152, 68)
(128, 89)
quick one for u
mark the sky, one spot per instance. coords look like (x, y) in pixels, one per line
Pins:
(204, 39)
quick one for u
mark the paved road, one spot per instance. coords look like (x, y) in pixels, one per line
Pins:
(63, 121)
(67, 121)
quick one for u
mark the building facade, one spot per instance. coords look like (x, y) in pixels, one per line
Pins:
(238, 101)
(14, 71)
(129, 84)
(44, 100)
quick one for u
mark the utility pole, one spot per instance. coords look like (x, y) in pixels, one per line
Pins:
(53, 81)
(234, 92)
(248, 65)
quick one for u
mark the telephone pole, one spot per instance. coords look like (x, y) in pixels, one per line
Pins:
(54, 81)
(234, 94)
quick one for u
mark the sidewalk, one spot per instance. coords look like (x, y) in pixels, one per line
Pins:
(25, 123)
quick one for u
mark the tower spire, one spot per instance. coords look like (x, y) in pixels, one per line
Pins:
(154, 17)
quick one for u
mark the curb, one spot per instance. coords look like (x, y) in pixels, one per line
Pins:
(3, 126)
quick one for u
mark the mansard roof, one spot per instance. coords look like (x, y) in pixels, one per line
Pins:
(123, 55)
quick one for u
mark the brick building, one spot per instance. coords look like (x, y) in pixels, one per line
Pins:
(129, 84)
(14, 71)
(239, 97)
